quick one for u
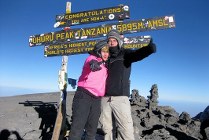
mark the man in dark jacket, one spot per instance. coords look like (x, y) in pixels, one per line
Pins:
(116, 99)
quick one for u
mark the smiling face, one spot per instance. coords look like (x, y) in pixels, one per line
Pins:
(112, 42)
(105, 53)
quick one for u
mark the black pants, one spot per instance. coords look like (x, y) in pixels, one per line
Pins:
(86, 110)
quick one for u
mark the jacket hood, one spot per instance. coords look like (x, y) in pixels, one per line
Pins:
(115, 34)
(97, 48)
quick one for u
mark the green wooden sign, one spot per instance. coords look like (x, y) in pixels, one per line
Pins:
(112, 13)
(81, 47)
(127, 27)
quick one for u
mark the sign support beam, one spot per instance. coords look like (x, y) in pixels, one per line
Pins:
(60, 124)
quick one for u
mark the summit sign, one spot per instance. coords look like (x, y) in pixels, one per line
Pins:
(127, 27)
(112, 13)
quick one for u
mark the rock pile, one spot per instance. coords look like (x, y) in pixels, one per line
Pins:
(163, 122)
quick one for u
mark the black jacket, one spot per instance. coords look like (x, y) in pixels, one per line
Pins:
(119, 70)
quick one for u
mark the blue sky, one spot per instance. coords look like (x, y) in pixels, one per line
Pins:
(179, 68)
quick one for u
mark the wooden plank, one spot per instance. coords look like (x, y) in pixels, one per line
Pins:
(81, 47)
(98, 15)
(128, 27)
(60, 124)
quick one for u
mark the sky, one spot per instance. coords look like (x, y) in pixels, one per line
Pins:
(179, 67)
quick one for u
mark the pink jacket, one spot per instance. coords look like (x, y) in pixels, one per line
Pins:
(94, 82)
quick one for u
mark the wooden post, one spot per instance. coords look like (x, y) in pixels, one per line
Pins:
(60, 124)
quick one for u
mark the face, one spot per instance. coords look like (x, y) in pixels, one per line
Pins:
(112, 42)
(105, 55)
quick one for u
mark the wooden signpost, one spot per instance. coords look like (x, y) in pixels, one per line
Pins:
(81, 40)
(60, 124)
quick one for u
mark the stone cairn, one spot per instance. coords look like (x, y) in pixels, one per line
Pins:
(152, 99)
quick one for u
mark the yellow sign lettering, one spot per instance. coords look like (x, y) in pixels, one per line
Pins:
(85, 20)
(43, 38)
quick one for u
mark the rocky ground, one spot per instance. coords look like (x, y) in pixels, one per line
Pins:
(32, 117)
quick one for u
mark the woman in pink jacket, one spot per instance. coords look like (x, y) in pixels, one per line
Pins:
(91, 87)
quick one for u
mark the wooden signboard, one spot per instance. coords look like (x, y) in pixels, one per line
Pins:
(81, 47)
(98, 15)
(127, 27)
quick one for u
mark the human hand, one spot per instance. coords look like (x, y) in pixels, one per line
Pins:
(153, 46)
(95, 65)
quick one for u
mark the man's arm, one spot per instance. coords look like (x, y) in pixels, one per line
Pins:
(139, 54)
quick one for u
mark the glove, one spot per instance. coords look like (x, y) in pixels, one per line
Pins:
(152, 46)
(95, 65)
